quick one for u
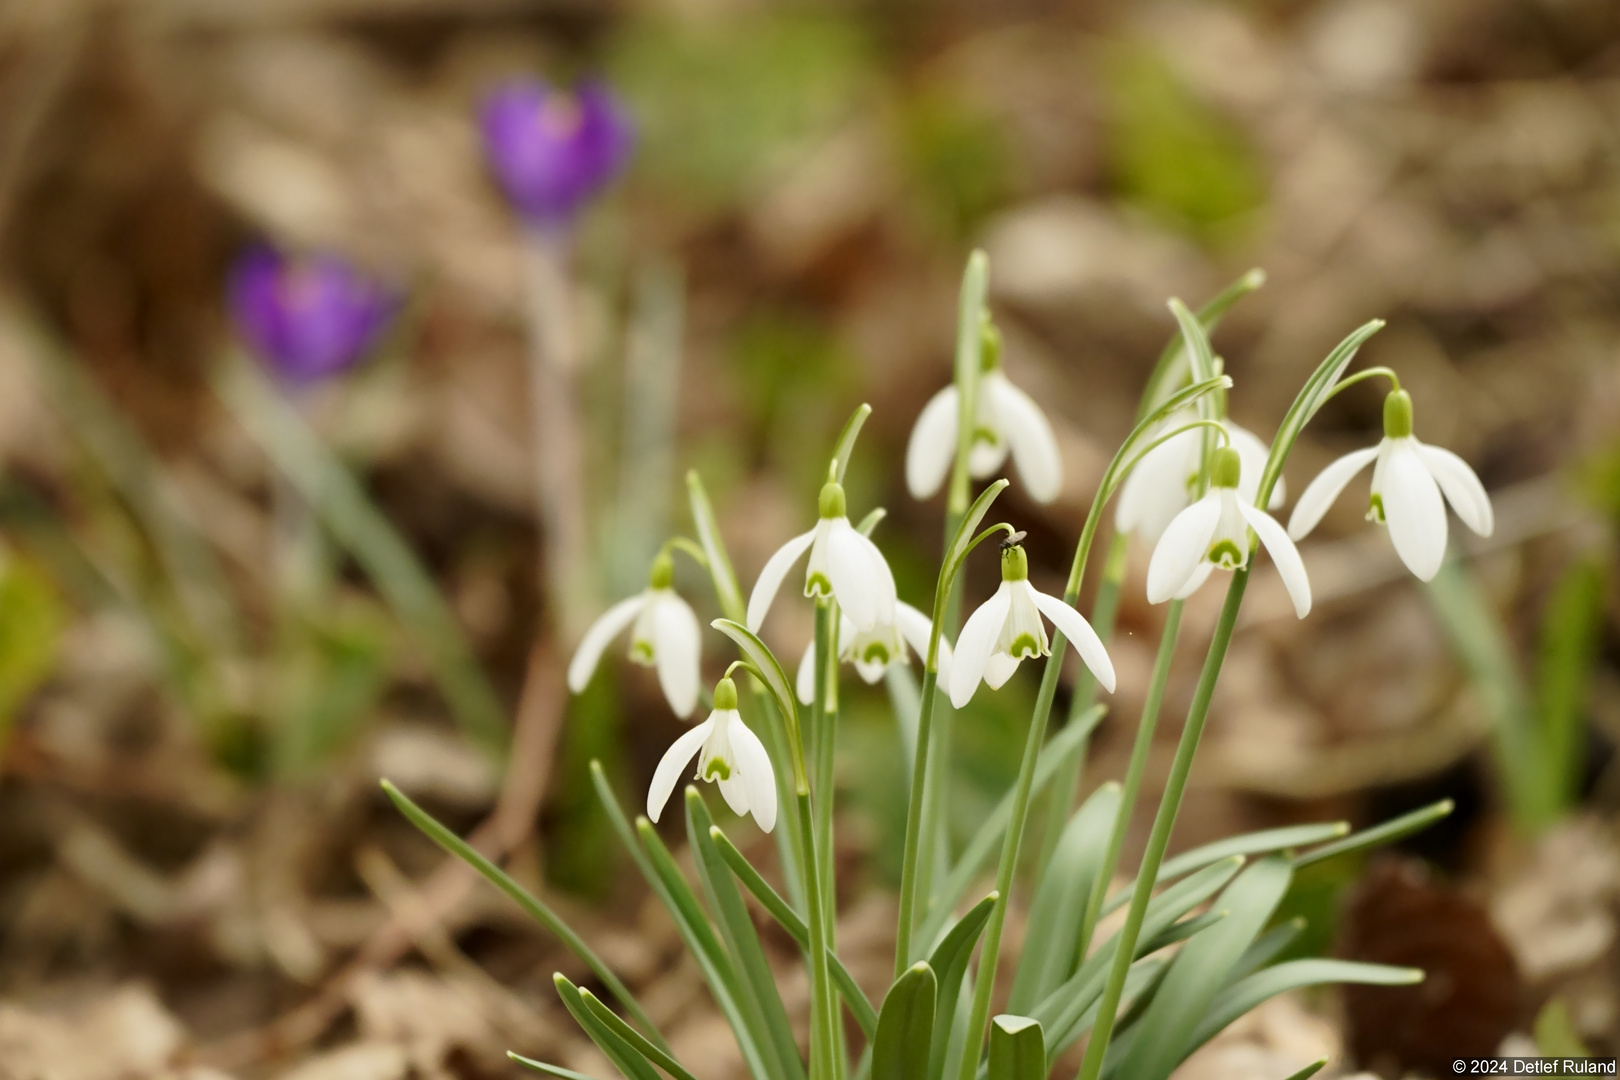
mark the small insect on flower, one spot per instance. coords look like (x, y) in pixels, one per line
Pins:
(1162, 484)
(876, 650)
(1408, 480)
(665, 635)
(1213, 533)
(554, 151)
(844, 565)
(729, 754)
(1007, 629)
(1006, 419)
(306, 317)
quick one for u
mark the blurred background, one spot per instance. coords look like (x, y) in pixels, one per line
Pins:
(198, 875)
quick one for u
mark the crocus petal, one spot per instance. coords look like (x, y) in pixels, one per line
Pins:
(998, 669)
(1283, 553)
(932, 447)
(677, 650)
(1073, 625)
(770, 578)
(1196, 582)
(754, 765)
(608, 626)
(1413, 511)
(1029, 433)
(1461, 486)
(974, 643)
(1181, 548)
(673, 764)
(1320, 493)
(1253, 453)
(917, 628)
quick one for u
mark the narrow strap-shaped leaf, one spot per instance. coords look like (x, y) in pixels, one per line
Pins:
(547, 1068)
(1017, 1048)
(1310, 1070)
(1267, 947)
(1203, 967)
(769, 669)
(984, 842)
(1387, 833)
(742, 940)
(846, 439)
(532, 905)
(612, 1020)
(950, 963)
(789, 920)
(1246, 994)
(905, 1028)
(1167, 370)
(726, 587)
(624, 1056)
(1256, 843)
(1140, 982)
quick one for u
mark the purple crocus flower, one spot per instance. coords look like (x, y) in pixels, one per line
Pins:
(553, 151)
(306, 317)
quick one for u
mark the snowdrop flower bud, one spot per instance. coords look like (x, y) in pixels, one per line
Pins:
(876, 650)
(1408, 480)
(1007, 629)
(664, 634)
(1163, 482)
(306, 318)
(553, 151)
(844, 565)
(1214, 533)
(729, 754)
(1007, 420)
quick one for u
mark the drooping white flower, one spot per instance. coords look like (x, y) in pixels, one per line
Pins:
(1007, 419)
(844, 565)
(1163, 482)
(665, 635)
(1007, 629)
(1213, 533)
(1408, 480)
(874, 651)
(729, 754)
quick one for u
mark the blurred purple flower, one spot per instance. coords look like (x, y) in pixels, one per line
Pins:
(551, 150)
(306, 317)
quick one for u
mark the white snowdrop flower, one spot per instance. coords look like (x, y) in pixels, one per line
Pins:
(1214, 532)
(729, 754)
(664, 634)
(876, 650)
(844, 565)
(1007, 628)
(1007, 419)
(1162, 484)
(1408, 480)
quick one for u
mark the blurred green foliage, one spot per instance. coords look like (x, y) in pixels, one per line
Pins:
(794, 378)
(32, 618)
(956, 159)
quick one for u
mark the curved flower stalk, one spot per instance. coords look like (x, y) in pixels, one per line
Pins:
(664, 634)
(308, 317)
(1165, 481)
(1006, 420)
(1007, 629)
(553, 151)
(1213, 533)
(844, 565)
(876, 650)
(1409, 478)
(729, 754)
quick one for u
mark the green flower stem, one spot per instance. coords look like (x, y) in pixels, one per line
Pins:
(1134, 771)
(825, 725)
(1163, 823)
(920, 769)
(823, 1043)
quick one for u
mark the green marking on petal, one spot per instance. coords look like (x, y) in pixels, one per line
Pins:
(1023, 647)
(1226, 555)
(717, 768)
(875, 653)
(817, 585)
(641, 651)
(986, 436)
(1375, 509)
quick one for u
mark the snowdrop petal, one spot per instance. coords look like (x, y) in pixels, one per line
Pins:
(770, 578)
(804, 683)
(677, 650)
(673, 764)
(1283, 553)
(998, 669)
(1196, 582)
(1320, 493)
(974, 643)
(735, 790)
(1413, 511)
(885, 596)
(1029, 433)
(855, 581)
(608, 626)
(1155, 490)
(1181, 548)
(758, 778)
(985, 459)
(932, 447)
(1253, 453)
(1073, 625)
(916, 628)
(1461, 487)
